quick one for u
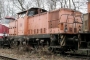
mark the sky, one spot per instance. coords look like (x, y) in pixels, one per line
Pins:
(83, 6)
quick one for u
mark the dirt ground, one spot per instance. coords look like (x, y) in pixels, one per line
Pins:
(23, 55)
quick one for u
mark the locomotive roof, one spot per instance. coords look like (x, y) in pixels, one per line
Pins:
(46, 10)
(70, 9)
(67, 9)
(31, 9)
(10, 18)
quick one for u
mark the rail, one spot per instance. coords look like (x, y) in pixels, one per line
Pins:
(6, 58)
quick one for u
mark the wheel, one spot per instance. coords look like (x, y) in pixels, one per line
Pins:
(14, 43)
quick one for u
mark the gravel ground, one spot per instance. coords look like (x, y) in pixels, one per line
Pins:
(22, 55)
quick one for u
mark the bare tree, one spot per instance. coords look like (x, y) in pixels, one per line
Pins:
(52, 4)
(0, 9)
(14, 6)
(19, 4)
(2, 13)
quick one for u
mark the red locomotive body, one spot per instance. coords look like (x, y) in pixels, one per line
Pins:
(3, 29)
(4, 26)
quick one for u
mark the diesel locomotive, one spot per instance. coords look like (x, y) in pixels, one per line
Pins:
(4, 30)
(60, 30)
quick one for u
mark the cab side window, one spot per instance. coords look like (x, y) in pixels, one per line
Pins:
(31, 13)
(35, 11)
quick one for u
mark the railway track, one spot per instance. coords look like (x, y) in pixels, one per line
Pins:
(6, 58)
(78, 56)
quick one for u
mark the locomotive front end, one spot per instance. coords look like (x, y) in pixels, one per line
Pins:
(65, 26)
(70, 21)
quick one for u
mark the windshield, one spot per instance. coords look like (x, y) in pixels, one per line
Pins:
(5, 21)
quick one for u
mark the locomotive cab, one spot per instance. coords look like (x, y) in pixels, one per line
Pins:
(34, 11)
(30, 12)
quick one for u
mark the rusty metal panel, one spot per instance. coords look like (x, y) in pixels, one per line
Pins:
(53, 24)
(12, 27)
(38, 24)
(54, 15)
(21, 26)
(65, 23)
(53, 19)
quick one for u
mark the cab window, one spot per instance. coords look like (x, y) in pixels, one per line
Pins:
(32, 12)
(5, 21)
